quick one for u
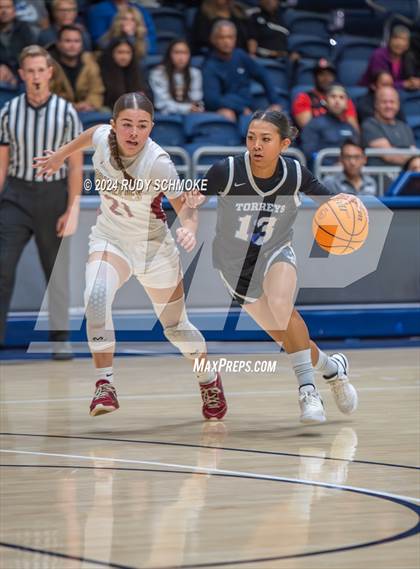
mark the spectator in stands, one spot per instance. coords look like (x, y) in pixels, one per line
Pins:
(177, 87)
(121, 72)
(384, 130)
(311, 104)
(211, 11)
(101, 15)
(128, 23)
(64, 13)
(81, 83)
(352, 180)
(34, 13)
(395, 58)
(329, 129)
(14, 36)
(267, 32)
(366, 103)
(227, 74)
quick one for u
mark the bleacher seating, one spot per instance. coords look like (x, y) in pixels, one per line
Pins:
(277, 70)
(350, 71)
(410, 102)
(169, 20)
(168, 130)
(211, 128)
(310, 46)
(315, 31)
(163, 39)
(299, 22)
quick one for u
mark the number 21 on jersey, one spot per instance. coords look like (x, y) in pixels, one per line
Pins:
(263, 229)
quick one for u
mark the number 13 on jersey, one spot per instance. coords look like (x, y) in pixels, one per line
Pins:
(263, 229)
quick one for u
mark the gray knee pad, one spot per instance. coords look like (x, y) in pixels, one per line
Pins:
(185, 336)
(102, 282)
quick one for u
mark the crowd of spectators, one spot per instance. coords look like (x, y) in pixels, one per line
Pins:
(103, 49)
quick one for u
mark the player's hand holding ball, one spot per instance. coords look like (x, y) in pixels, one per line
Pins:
(186, 239)
(341, 225)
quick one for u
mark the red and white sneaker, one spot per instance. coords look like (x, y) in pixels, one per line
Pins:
(105, 399)
(214, 402)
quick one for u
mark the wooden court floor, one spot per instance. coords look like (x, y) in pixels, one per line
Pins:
(153, 486)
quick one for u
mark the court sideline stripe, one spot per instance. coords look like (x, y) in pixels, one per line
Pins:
(229, 449)
(199, 469)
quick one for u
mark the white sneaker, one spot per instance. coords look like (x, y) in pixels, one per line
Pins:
(311, 407)
(344, 393)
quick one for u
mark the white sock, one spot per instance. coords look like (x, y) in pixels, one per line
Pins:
(304, 371)
(205, 376)
(106, 373)
(325, 364)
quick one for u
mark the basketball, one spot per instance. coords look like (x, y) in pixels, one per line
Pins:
(340, 226)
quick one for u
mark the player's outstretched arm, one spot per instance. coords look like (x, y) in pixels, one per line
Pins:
(53, 161)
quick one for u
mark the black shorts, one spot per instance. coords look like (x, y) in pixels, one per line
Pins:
(249, 287)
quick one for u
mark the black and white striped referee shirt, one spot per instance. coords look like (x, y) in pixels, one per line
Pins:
(29, 131)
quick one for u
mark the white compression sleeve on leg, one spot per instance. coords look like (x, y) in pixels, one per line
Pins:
(179, 330)
(102, 282)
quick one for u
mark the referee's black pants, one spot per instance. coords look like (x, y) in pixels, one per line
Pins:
(28, 209)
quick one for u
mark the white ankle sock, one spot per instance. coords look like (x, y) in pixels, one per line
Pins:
(205, 377)
(104, 373)
(325, 364)
(302, 366)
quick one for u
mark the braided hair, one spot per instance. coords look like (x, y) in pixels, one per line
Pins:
(127, 101)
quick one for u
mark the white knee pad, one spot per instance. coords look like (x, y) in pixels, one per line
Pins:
(185, 336)
(102, 282)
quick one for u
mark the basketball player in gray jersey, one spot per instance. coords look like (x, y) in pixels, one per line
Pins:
(258, 200)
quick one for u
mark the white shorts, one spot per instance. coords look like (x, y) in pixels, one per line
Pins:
(155, 262)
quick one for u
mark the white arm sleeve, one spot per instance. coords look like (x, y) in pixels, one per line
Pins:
(164, 169)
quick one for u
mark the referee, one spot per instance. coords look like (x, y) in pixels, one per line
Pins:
(48, 209)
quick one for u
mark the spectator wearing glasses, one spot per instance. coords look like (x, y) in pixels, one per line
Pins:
(352, 180)
(64, 13)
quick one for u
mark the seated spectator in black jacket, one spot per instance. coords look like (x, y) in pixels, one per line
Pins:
(227, 74)
(366, 103)
(211, 11)
(384, 130)
(14, 36)
(64, 13)
(120, 72)
(352, 180)
(328, 130)
(267, 32)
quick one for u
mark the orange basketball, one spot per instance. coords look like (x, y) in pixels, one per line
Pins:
(340, 226)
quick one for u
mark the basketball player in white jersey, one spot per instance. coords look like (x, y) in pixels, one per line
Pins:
(257, 204)
(131, 237)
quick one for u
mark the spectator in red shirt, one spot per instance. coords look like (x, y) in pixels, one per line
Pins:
(311, 104)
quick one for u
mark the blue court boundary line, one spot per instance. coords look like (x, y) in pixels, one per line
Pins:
(193, 445)
(396, 537)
